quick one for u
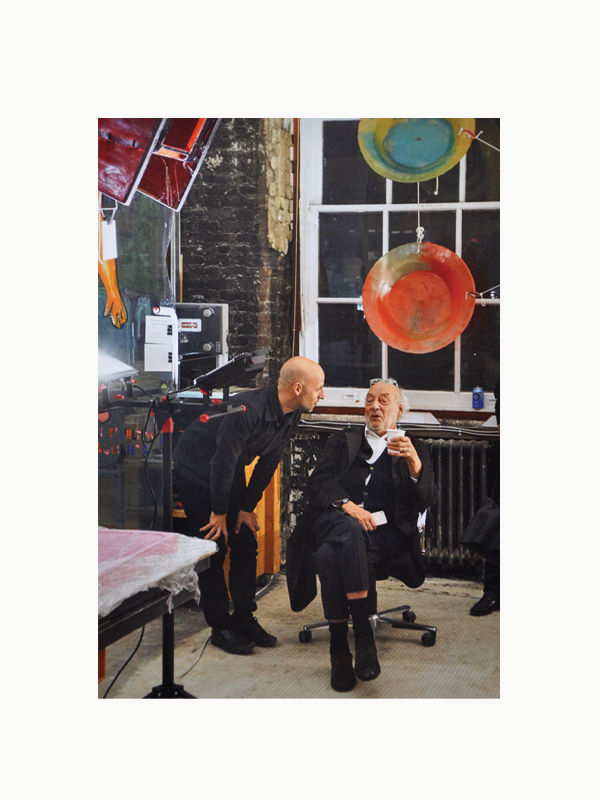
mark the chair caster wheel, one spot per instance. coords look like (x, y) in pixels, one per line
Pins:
(305, 636)
(409, 616)
(428, 639)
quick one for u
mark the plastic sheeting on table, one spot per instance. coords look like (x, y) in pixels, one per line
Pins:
(131, 561)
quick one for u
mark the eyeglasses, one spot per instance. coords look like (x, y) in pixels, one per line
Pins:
(384, 380)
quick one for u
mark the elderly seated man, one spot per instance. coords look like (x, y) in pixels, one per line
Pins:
(364, 499)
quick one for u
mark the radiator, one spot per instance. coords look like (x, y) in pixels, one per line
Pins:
(460, 467)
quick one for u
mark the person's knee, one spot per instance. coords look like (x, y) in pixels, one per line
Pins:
(243, 543)
(325, 559)
(323, 567)
(216, 560)
(414, 577)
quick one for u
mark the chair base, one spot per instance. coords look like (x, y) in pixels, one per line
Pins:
(407, 622)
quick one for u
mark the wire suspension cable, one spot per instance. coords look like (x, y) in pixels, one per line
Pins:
(473, 136)
(420, 230)
(481, 294)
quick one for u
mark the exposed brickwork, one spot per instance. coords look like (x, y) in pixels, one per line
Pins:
(225, 241)
(279, 184)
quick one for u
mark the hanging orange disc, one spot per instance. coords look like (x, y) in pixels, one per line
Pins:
(416, 297)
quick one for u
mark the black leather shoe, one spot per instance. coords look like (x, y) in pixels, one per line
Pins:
(485, 606)
(342, 674)
(251, 629)
(231, 641)
(366, 664)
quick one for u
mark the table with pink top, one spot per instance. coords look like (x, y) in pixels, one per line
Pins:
(143, 575)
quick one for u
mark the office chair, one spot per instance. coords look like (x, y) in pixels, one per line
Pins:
(406, 621)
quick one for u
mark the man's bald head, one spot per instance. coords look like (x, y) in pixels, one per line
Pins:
(300, 384)
(298, 369)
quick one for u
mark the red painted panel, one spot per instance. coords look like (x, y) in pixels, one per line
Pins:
(159, 158)
(168, 179)
(123, 146)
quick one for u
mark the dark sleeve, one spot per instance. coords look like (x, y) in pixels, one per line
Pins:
(325, 487)
(234, 432)
(423, 492)
(261, 475)
(265, 467)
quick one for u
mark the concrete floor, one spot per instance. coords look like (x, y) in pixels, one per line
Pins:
(464, 662)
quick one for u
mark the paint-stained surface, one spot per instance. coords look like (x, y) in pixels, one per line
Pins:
(414, 149)
(417, 298)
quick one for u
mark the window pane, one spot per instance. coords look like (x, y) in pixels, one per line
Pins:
(349, 245)
(447, 189)
(434, 371)
(347, 178)
(480, 349)
(349, 351)
(481, 248)
(483, 163)
(440, 228)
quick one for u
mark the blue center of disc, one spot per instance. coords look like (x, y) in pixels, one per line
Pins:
(418, 143)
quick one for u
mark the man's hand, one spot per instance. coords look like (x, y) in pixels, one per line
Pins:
(361, 514)
(216, 526)
(248, 518)
(403, 447)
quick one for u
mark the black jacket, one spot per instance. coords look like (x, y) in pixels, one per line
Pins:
(325, 488)
(215, 453)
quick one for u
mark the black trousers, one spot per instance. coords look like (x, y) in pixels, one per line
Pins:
(348, 559)
(491, 574)
(242, 548)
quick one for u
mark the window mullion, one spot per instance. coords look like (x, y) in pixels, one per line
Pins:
(462, 193)
(457, 355)
(462, 180)
(388, 191)
(385, 246)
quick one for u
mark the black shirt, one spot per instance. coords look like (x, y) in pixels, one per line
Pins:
(214, 453)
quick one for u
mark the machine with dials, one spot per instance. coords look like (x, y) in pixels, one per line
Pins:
(188, 339)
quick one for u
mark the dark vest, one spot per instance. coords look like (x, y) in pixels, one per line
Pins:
(378, 495)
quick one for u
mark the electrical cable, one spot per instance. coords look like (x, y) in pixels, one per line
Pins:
(146, 462)
(263, 589)
(196, 661)
(125, 664)
(258, 594)
(141, 389)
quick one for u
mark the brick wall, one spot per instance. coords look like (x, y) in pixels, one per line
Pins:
(236, 243)
(235, 235)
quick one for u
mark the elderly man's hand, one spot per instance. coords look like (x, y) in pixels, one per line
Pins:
(361, 514)
(403, 447)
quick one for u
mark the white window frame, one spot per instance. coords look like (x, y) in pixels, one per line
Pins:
(311, 205)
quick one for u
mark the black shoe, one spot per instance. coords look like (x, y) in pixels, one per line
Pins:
(250, 629)
(342, 674)
(485, 606)
(231, 641)
(366, 664)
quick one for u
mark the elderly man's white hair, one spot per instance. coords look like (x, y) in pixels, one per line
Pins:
(404, 400)
(402, 395)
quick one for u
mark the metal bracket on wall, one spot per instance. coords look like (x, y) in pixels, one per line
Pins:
(112, 209)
